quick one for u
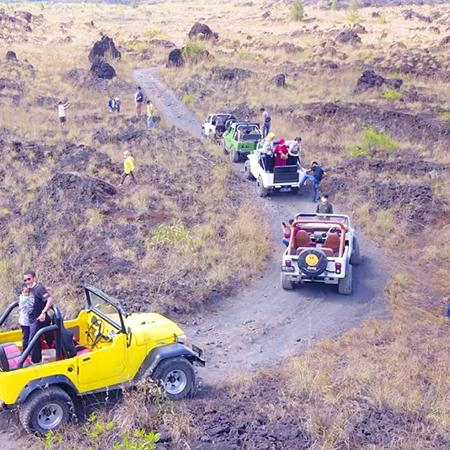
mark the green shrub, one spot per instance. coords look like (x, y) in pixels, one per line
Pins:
(444, 115)
(373, 142)
(187, 98)
(334, 5)
(297, 11)
(353, 16)
(173, 236)
(391, 95)
(192, 49)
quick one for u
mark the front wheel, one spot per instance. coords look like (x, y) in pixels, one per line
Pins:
(224, 147)
(234, 155)
(177, 377)
(45, 410)
(345, 285)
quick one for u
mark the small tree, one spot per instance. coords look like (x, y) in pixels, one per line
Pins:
(297, 11)
(334, 5)
(353, 11)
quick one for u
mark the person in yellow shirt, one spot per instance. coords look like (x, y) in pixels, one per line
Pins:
(128, 167)
(150, 115)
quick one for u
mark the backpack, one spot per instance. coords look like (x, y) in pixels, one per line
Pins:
(139, 97)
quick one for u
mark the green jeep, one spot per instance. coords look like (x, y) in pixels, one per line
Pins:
(241, 138)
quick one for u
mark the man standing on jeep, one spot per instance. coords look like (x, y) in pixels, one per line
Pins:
(266, 120)
(38, 311)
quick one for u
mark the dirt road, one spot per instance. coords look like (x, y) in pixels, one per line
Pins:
(263, 324)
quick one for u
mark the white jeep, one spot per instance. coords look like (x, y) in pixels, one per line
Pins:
(214, 126)
(322, 248)
(260, 167)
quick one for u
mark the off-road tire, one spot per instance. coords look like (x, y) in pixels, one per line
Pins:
(34, 404)
(247, 172)
(224, 147)
(355, 258)
(286, 284)
(260, 189)
(179, 364)
(345, 285)
(235, 156)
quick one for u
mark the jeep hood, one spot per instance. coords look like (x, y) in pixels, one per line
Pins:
(152, 327)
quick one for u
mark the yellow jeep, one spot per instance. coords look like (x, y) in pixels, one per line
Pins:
(102, 349)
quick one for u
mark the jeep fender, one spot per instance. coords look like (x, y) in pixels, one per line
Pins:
(159, 354)
(42, 383)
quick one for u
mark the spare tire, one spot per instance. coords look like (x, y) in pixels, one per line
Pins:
(312, 262)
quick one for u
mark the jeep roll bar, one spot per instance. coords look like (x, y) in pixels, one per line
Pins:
(57, 326)
(344, 218)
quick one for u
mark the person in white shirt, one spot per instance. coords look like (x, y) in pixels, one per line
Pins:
(62, 112)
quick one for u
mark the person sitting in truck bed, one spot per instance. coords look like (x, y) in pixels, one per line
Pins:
(281, 154)
(267, 158)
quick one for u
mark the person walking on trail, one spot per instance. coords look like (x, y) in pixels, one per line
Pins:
(315, 175)
(128, 167)
(138, 101)
(117, 104)
(266, 120)
(324, 206)
(25, 302)
(150, 115)
(111, 104)
(281, 154)
(286, 232)
(62, 112)
(39, 307)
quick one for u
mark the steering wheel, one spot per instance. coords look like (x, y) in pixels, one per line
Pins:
(95, 332)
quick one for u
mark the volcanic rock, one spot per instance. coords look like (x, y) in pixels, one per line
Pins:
(202, 31)
(104, 48)
(231, 74)
(280, 80)
(369, 79)
(175, 58)
(11, 56)
(101, 69)
(348, 37)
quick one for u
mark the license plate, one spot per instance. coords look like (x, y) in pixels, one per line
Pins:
(285, 189)
(287, 269)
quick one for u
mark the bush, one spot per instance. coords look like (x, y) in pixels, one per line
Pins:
(297, 12)
(444, 115)
(334, 5)
(187, 98)
(192, 49)
(391, 95)
(353, 16)
(373, 142)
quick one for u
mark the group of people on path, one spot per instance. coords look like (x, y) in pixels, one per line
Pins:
(114, 104)
(150, 108)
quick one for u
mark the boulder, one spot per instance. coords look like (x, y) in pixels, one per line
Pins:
(280, 80)
(104, 48)
(11, 56)
(175, 58)
(101, 69)
(231, 74)
(445, 41)
(202, 31)
(348, 37)
(369, 79)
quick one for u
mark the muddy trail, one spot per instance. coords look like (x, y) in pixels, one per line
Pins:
(262, 324)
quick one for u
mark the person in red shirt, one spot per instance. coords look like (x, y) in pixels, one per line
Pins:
(281, 153)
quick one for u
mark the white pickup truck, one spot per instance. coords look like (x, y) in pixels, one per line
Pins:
(214, 126)
(322, 249)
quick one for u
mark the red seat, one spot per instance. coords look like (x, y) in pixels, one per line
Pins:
(9, 357)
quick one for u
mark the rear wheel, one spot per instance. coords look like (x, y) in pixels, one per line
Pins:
(345, 285)
(234, 155)
(224, 147)
(261, 190)
(247, 172)
(177, 377)
(286, 284)
(45, 410)
(355, 258)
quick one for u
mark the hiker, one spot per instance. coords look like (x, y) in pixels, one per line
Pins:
(38, 309)
(295, 147)
(62, 112)
(315, 175)
(117, 104)
(111, 104)
(25, 303)
(324, 206)
(286, 232)
(267, 159)
(150, 115)
(139, 100)
(128, 167)
(266, 120)
(281, 154)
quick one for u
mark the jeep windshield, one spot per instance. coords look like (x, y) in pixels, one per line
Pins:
(106, 307)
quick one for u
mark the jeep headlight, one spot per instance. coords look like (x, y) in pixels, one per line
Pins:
(182, 339)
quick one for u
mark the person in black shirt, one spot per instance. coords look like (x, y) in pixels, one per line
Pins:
(38, 310)
(315, 175)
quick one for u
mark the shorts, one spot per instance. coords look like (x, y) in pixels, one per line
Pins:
(62, 119)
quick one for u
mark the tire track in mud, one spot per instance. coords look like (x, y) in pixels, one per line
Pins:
(262, 324)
